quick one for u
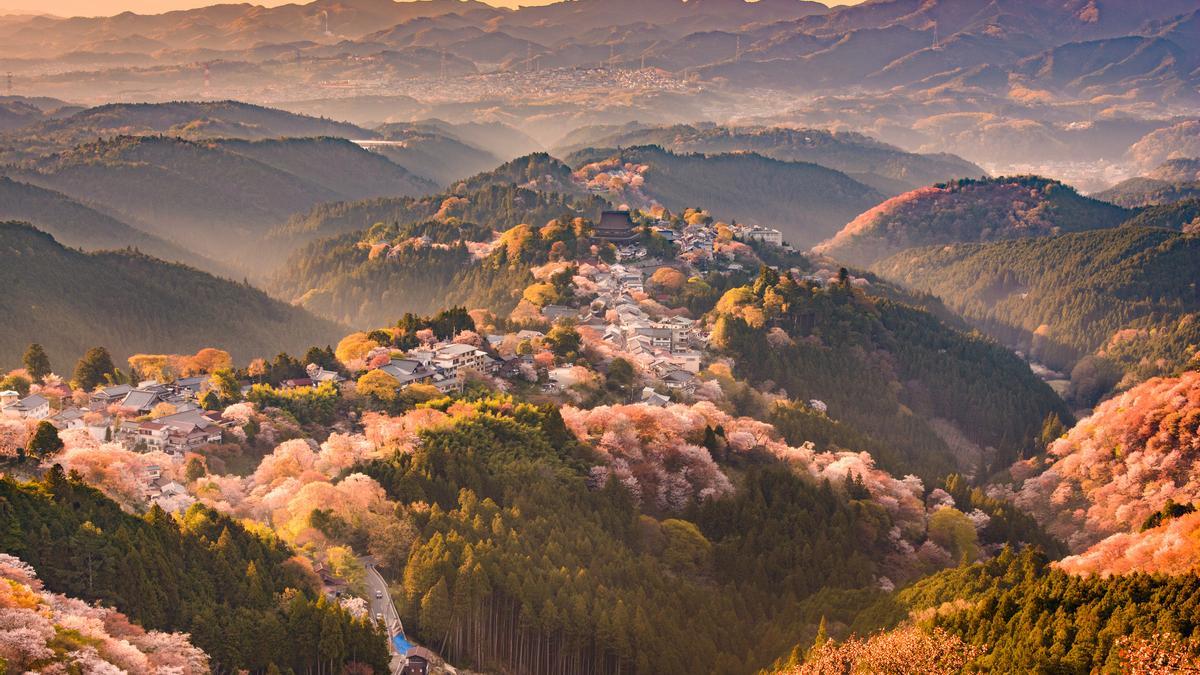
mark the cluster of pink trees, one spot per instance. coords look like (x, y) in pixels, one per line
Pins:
(659, 454)
(1121, 464)
(32, 622)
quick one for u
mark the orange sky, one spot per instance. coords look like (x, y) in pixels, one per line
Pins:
(107, 7)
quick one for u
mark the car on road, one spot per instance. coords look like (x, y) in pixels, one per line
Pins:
(379, 616)
(378, 594)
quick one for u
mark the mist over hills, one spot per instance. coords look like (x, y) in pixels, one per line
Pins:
(133, 303)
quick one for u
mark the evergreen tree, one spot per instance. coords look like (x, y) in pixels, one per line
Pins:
(94, 369)
(37, 363)
(45, 441)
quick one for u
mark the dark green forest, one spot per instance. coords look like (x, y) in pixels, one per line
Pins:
(132, 303)
(885, 369)
(243, 597)
(1130, 290)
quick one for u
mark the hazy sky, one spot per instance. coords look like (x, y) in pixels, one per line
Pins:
(107, 7)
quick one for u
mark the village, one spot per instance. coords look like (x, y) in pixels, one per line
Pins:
(611, 312)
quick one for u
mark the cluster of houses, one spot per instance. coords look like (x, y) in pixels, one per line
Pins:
(442, 365)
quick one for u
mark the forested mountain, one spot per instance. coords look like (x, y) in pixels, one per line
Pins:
(244, 597)
(897, 376)
(536, 171)
(1034, 617)
(722, 585)
(805, 201)
(129, 302)
(80, 226)
(1125, 294)
(1172, 181)
(187, 119)
(424, 255)
(969, 211)
(427, 152)
(1181, 215)
(884, 167)
(210, 195)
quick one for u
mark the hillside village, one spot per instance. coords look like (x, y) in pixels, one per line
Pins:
(610, 310)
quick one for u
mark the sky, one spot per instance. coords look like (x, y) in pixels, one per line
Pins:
(109, 7)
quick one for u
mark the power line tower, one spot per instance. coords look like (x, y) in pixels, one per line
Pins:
(207, 80)
(443, 71)
(8, 83)
(737, 49)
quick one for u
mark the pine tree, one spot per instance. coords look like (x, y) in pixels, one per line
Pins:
(36, 362)
(45, 441)
(94, 369)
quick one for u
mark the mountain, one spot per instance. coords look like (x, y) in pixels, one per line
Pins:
(424, 151)
(969, 211)
(227, 26)
(80, 226)
(1172, 181)
(1179, 141)
(918, 394)
(382, 258)
(206, 192)
(805, 201)
(186, 119)
(1182, 215)
(536, 171)
(1111, 307)
(335, 164)
(884, 167)
(128, 302)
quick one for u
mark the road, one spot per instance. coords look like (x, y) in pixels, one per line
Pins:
(380, 602)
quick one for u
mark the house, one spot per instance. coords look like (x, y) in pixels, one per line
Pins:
(453, 357)
(660, 338)
(555, 312)
(8, 397)
(417, 661)
(653, 398)
(615, 227)
(33, 407)
(320, 376)
(680, 380)
(175, 434)
(110, 395)
(142, 401)
(191, 387)
(332, 585)
(76, 418)
(764, 234)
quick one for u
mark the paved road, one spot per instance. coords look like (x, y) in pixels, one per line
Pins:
(380, 602)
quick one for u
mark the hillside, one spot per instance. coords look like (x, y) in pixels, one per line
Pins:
(1172, 181)
(335, 164)
(187, 119)
(209, 194)
(906, 383)
(1125, 294)
(428, 152)
(536, 171)
(80, 226)
(885, 167)
(805, 201)
(372, 275)
(1182, 215)
(969, 211)
(130, 303)
(1133, 457)
(180, 576)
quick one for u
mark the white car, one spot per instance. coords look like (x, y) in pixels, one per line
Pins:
(378, 594)
(379, 617)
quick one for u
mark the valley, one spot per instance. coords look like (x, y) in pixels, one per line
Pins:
(601, 337)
